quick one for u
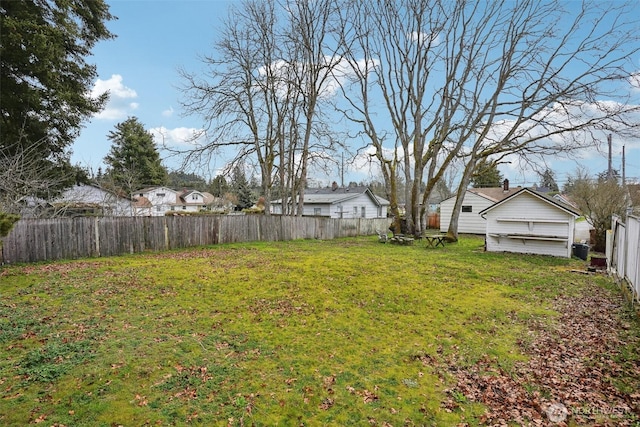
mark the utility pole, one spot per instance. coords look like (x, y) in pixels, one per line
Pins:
(624, 179)
(342, 171)
(610, 168)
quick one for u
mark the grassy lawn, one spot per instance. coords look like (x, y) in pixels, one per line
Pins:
(344, 332)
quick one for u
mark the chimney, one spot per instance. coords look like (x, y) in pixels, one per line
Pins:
(334, 186)
(505, 185)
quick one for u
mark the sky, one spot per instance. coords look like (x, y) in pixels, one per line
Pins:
(155, 38)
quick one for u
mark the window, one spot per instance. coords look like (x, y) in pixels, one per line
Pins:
(355, 211)
(339, 211)
(184, 208)
(160, 194)
(379, 211)
(158, 208)
(317, 211)
(364, 212)
(467, 208)
(194, 197)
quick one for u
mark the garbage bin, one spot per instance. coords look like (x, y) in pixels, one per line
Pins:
(580, 250)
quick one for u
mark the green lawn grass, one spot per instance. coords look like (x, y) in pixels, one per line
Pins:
(287, 333)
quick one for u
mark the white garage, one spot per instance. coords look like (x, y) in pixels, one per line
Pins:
(530, 222)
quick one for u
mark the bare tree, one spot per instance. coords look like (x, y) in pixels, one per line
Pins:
(26, 181)
(263, 89)
(598, 200)
(475, 80)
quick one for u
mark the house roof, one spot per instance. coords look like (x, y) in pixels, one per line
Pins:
(141, 202)
(564, 198)
(495, 194)
(338, 195)
(543, 197)
(151, 189)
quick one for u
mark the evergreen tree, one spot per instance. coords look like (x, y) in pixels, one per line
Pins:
(218, 186)
(46, 81)
(486, 174)
(133, 161)
(242, 189)
(547, 180)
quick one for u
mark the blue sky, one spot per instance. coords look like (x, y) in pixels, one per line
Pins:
(157, 37)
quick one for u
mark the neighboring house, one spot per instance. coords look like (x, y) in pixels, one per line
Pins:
(82, 199)
(475, 200)
(192, 201)
(563, 198)
(153, 201)
(157, 201)
(340, 202)
(530, 222)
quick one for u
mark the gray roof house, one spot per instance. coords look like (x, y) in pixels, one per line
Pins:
(340, 202)
(87, 199)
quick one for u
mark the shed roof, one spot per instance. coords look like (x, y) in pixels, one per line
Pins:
(543, 197)
(493, 194)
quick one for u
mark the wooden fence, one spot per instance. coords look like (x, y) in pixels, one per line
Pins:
(623, 252)
(35, 240)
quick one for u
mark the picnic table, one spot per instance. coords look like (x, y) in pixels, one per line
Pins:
(435, 240)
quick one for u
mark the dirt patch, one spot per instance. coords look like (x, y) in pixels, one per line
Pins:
(583, 369)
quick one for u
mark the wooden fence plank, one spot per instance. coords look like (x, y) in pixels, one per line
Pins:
(35, 240)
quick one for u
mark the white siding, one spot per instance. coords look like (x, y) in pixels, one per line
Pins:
(528, 224)
(311, 209)
(161, 198)
(468, 222)
(351, 208)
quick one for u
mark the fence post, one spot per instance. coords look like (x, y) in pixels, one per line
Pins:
(96, 231)
(166, 233)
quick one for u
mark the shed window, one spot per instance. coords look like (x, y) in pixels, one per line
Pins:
(467, 208)
(317, 211)
(364, 212)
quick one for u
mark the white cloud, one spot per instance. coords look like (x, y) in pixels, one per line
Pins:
(634, 81)
(341, 72)
(168, 112)
(178, 136)
(119, 105)
(425, 39)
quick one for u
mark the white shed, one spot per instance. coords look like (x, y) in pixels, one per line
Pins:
(529, 222)
(474, 201)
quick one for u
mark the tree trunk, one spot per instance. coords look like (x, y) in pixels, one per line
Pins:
(452, 231)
